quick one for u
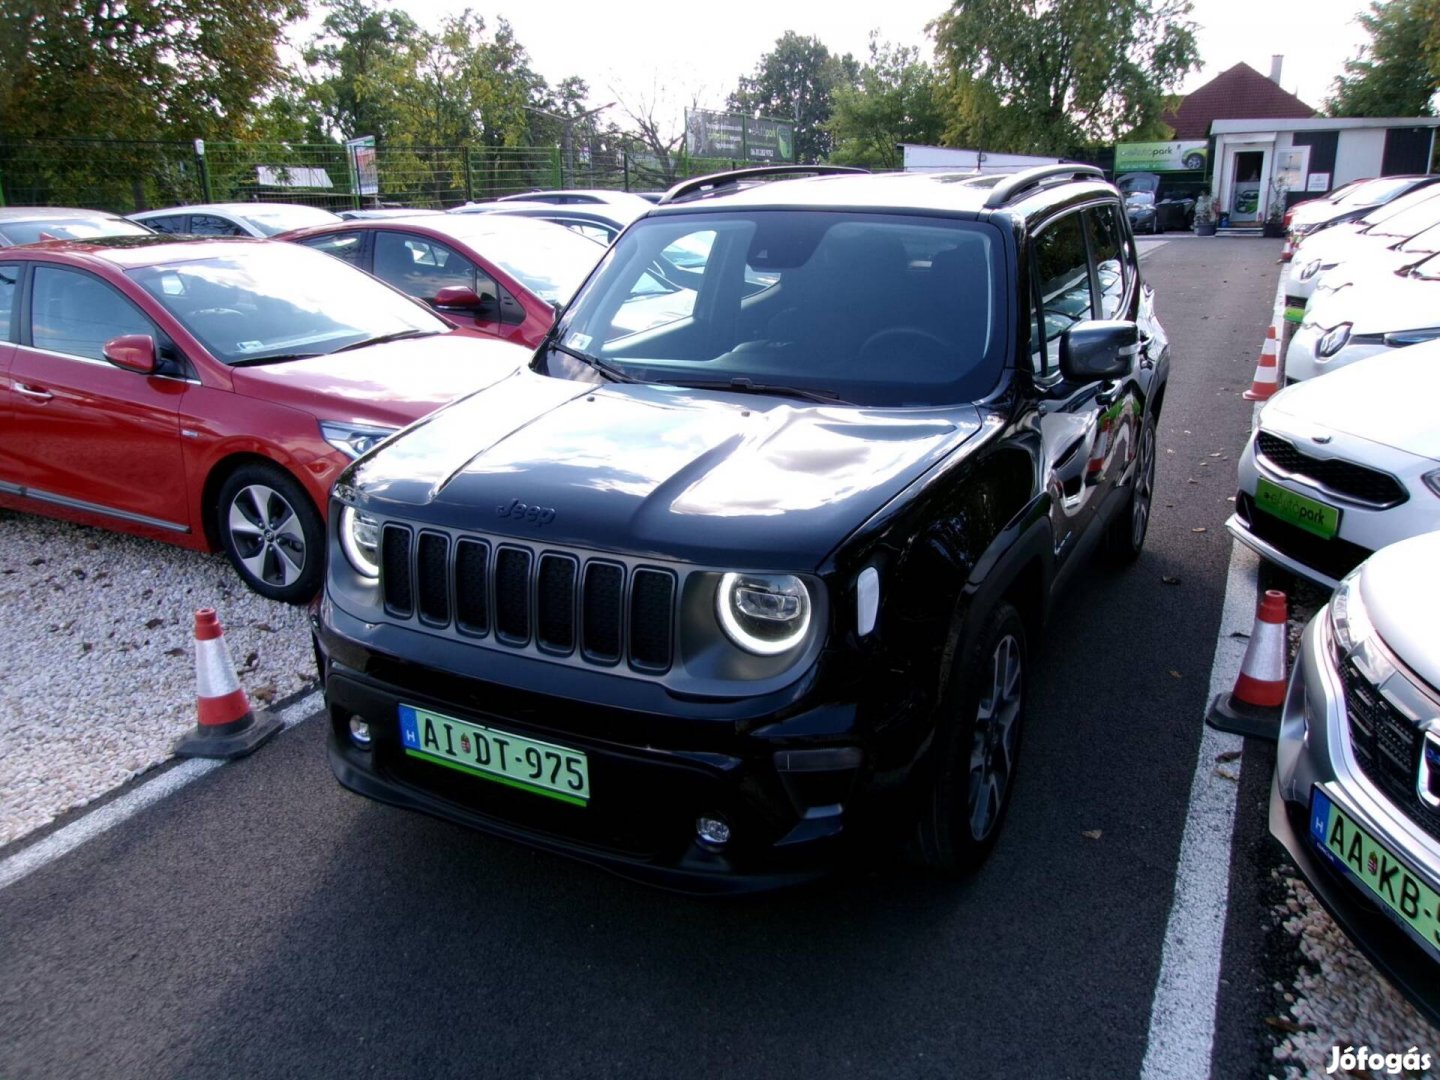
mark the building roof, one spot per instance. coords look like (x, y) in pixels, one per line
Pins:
(1238, 93)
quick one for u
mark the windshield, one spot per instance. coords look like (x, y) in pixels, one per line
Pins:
(1140, 198)
(1411, 213)
(76, 228)
(548, 260)
(271, 220)
(1377, 192)
(257, 302)
(873, 309)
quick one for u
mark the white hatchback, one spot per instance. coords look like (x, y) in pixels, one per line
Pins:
(1338, 468)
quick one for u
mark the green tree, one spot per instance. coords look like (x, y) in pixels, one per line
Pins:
(1398, 73)
(138, 70)
(1046, 76)
(362, 65)
(897, 98)
(796, 81)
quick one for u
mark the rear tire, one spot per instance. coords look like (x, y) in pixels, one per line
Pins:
(977, 748)
(271, 532)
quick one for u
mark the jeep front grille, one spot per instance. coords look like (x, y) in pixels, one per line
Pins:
(561, 603)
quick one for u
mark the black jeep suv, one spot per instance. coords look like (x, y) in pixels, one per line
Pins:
(748, 562)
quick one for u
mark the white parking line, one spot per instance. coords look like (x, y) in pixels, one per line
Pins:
(63, 841)
(1182, 1012)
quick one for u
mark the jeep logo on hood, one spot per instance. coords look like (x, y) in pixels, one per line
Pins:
(519, 511)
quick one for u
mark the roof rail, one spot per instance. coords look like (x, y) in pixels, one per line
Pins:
(1008, 188)
(706, 185)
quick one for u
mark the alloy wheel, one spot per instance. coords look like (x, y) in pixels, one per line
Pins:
(267, 535)
(993, 742)
(1144, 487)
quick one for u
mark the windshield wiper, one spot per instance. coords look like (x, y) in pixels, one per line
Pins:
(743, 385)
(399, 335)
(610, 371)
(273, 358)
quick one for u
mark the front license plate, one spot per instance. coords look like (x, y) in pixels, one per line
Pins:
(1371, 863)
(1299, 510)
(556, 772)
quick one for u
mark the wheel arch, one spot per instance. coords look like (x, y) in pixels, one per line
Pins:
(221, 471)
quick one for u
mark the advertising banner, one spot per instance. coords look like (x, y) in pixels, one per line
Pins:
(1181, 156)
(362, 161)
(734, 135)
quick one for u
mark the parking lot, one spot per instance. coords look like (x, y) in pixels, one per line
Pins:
(261, 921)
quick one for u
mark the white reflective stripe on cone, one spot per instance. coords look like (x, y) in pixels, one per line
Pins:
(1265, 658)
(214, 670)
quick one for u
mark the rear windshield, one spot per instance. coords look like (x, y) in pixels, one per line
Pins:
(76, 228)
(870, 309)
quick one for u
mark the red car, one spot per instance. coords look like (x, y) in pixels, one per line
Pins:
(207, 392)
(500, 276)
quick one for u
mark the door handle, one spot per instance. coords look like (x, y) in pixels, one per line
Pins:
(32, 393)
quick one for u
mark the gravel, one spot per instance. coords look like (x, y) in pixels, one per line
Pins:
(97, 669)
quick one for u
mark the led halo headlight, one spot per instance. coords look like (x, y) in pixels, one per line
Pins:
(360, 539)
(764, 614)
(1334, 340)
(1349, 622)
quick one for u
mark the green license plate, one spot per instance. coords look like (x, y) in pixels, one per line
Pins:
(1300, 511)
(1368, 861)
(542, 768)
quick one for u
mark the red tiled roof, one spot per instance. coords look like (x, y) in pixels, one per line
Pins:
(1241, 93)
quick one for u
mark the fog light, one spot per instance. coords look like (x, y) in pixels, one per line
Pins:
(360, 733)
(712, 832)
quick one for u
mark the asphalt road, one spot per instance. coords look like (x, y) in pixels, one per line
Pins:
(263, 922)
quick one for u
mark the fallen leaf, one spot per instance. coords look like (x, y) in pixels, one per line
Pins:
(1204, 464)
(1280, 1023)
(1091, 834)
(175, 652)
(251, 660)
(264, 626)
(1198, 528)
(1223, 775)
(1175, 674)
(1169, 579)
(1228, 755)
(1217, 454)
(263, 694)
(1191, 480)
(151, 624)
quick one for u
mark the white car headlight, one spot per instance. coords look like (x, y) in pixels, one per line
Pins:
(360, 538)
(765, 614)
(352, 440)
(1349, 623)
(1334, 340)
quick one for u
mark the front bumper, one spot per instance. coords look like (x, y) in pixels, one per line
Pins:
(794, 779)
(1314, 753)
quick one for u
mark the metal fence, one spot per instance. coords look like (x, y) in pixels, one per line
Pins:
(129, 175)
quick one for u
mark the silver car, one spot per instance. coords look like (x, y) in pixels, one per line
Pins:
(1356, 795)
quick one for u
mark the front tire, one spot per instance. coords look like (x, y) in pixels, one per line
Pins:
(1125, 538)
(977, 749)
(271, 532)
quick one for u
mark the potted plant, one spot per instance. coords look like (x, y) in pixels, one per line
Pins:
(1275, 213)
(1205, 214)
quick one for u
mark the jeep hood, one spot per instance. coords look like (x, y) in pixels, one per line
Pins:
(659, 471)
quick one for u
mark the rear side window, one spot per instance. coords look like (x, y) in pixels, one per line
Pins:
(347, 246)
(210, 225)
(1063, 275)
(171, 223)
(74, 313)
(422, 267)
(9, 286)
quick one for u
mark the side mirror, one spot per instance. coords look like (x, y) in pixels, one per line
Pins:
(133, 352)
(1099, 349)
(456, 298)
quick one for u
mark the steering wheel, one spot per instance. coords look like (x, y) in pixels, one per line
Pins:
(898, 338)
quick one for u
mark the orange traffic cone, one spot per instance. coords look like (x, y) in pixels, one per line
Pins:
(1267, 371)
(1288, 251)
(1253, 707)
(225, 727)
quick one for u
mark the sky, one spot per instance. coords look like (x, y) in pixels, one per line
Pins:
(644, 53)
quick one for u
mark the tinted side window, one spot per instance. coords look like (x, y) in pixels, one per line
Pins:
(1106, 247)
(210, 225)
(347, 246)
(422, 267)
(1063, 272)
(171, 223)
(75, 313)
(9, 287)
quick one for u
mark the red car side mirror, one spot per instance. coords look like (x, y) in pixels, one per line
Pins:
(133, 352)
(456, 298)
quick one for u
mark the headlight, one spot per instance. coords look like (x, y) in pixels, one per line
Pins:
(1310, 269)
(1432, 481)
(1334, 340)
(352, 440)
(360, 537)
(1349, 623)
(766, 614)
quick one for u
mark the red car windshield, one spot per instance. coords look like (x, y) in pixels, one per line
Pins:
(261, 303)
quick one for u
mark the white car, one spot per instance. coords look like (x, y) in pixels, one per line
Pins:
(1338, 468)
(1380, 228)
(1387, 301)
(1352, 202)
(257, 219)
